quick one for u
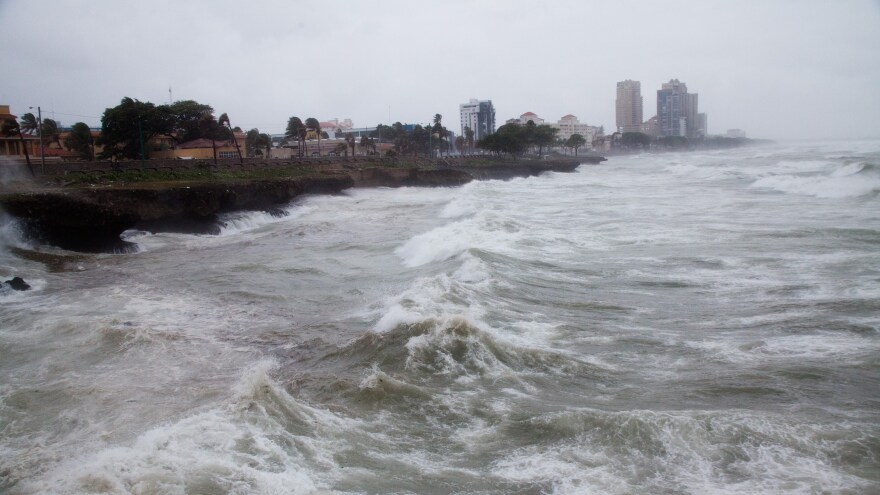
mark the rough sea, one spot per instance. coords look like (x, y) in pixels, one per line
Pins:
(676, 323)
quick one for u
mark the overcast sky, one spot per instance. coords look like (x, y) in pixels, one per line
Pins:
(777, 69)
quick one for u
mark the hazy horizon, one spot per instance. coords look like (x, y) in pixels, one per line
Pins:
(778, 70)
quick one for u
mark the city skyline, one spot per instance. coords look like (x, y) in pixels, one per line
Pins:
(758, 66)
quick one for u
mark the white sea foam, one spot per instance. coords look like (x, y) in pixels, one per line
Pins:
(459, 207)
(816, 348)
(238, 222)
(851, 180)
(646, 452)
(483, 231)
(438, 244)
(261, 441)
(226, 368)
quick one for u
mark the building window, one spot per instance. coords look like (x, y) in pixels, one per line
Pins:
(227, 154)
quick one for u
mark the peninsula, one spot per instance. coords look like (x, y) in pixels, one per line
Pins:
(85, 206)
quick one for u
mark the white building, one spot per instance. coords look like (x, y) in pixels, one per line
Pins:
(570, 125)
(526, 117)
(479, 116)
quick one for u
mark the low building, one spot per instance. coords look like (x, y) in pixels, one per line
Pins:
(526, 117)
(162, 147)
(651, 127)
(570, 125)
(336, 127)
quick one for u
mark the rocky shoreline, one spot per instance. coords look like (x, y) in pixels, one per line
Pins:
(91, 218)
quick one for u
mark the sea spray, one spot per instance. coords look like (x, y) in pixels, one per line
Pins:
(655, 324)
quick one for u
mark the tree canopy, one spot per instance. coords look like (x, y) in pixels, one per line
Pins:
(126, 127)
(635, 140)
(79, 139)
(190, 120)
(575, 141)
(509, 139)
(515, 139)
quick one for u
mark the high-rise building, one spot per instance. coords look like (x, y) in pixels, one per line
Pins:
(629, 106)
(678, 111)
(671, 108)
(702, 125)
(479, 116)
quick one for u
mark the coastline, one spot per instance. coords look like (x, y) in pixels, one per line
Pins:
(86, 217)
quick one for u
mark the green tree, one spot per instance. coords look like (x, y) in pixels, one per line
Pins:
(313, 125)
(188, 116)
(250, 143)
(265, 141)
(460, 144)
(469, 138)
(79, 139)
(420, 140)
(126, 127)
(349, 138)
(296, 130)
(674, 142)
(255, 142)
(543, 135)
(9, 128)
(439, 135)
(636, 140)
(368, 143)
(29, 124)
(224, 122)
(575, 141)
(209, 128)
(512, 139)
(50, 133)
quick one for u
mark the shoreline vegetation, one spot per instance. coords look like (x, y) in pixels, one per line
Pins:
(88, 211)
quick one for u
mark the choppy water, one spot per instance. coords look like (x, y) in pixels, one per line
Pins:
(675, 323)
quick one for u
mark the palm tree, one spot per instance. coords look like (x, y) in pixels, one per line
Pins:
(9, 128)
(79, 139)
(296, 130)
(313, 124)
(349, 138)
(50, 133)
(224, 122)
(29, 124)
(459, 143)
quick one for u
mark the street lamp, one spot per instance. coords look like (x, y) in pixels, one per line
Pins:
(40, 134)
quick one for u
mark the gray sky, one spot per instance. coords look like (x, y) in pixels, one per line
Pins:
(777, 69)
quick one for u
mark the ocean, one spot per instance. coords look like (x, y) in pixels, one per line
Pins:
(672, 323)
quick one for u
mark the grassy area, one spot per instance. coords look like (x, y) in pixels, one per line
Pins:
(191, 175)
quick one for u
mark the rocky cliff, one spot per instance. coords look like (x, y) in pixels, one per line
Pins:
(91, 218)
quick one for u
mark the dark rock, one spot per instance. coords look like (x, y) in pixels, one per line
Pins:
(17, 283)
(277, 212)
(91, 219)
